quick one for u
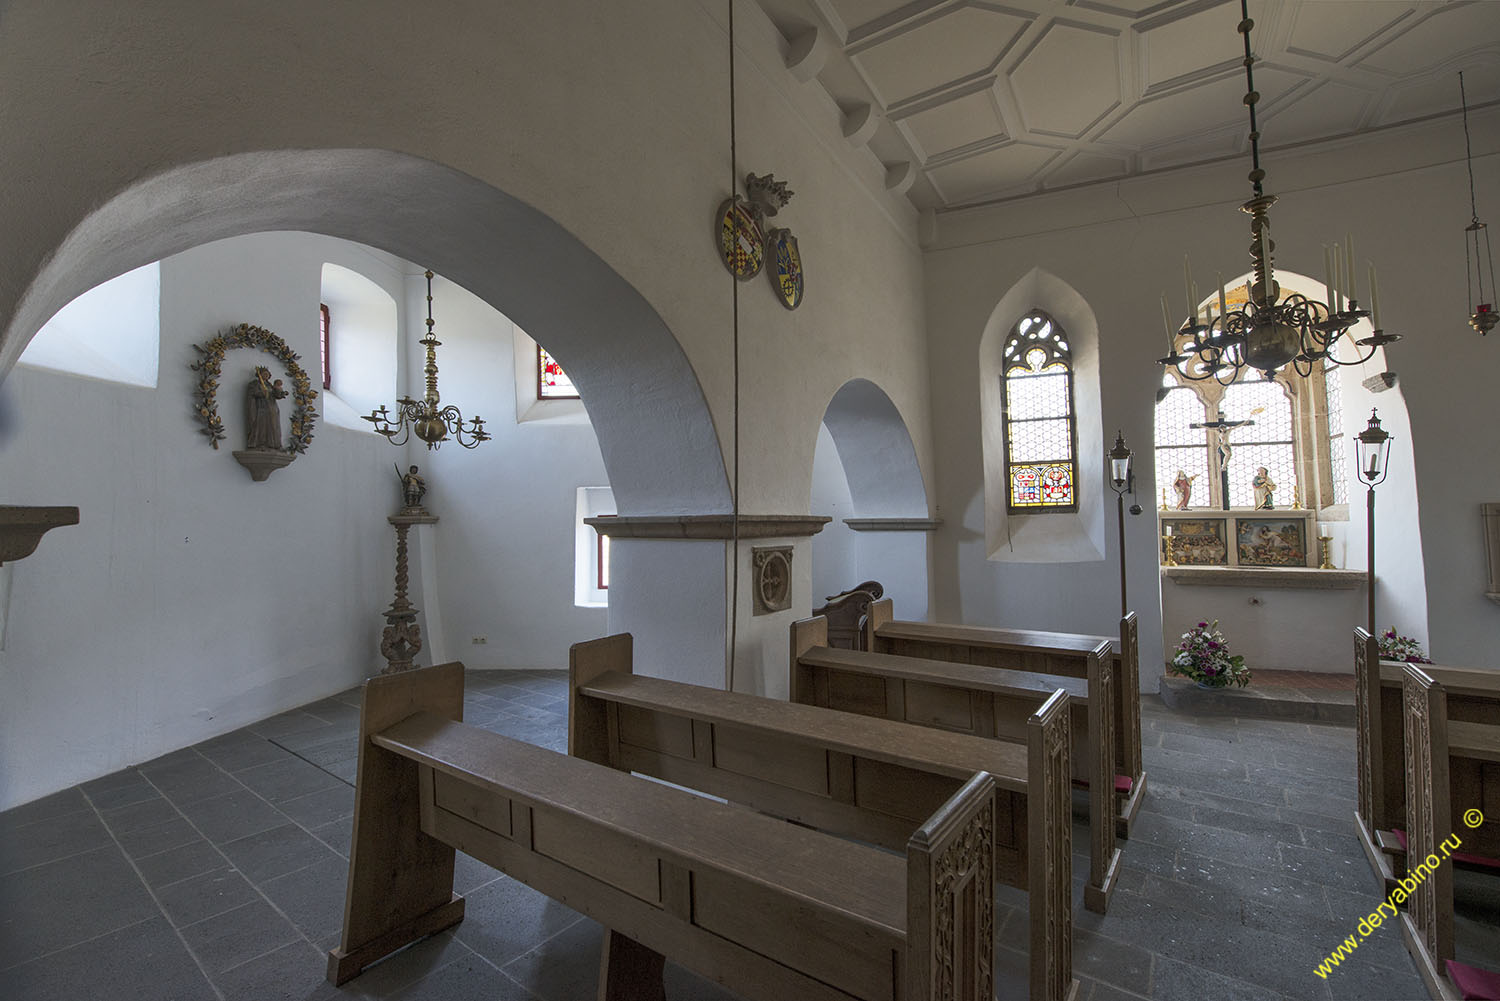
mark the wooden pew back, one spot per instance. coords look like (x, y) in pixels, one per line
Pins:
(871, 779)
(768, 908)
(846, 613)
(1429, 911)
(1027, 650)
(981, 700)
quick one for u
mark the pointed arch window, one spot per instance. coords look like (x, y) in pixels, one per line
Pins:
(1041, 434)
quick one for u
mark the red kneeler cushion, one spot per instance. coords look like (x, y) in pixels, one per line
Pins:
(1467, 858)
(1124, 783)
(1473, 983)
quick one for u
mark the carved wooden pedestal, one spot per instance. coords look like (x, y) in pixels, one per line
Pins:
(401, 639)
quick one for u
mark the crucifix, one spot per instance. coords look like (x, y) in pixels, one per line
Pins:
(1221, 428)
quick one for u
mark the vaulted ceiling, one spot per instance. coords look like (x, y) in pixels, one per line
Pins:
(968, 101)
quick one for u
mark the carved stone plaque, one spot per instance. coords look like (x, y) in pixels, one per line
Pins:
(771, 578)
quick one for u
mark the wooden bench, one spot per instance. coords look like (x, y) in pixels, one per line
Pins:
(983, 701)
(846, 613)
(1472, 695)
(1451, 766)
(1043, 652)
(769, 909)
(863, 778)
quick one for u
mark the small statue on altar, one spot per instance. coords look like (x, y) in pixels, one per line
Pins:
(1184, 487)
(413, 487)
(1264, 487)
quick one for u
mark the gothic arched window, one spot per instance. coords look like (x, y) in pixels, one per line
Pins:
(1041, 464)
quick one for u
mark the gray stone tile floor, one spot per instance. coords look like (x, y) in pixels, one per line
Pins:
(218, 872)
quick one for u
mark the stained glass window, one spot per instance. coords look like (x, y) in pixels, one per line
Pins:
(1181, 450)
(1040, 463)
(323, 345)
(552, 383)
(1267, 442)
(1334, 396)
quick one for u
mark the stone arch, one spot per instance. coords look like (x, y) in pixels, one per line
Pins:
(884, 480)
(653, 423)
(1076, 537)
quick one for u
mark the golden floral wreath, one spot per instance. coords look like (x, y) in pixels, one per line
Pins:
(210, 366)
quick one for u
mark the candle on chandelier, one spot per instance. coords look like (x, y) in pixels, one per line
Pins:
(1187, 285)
(1374, 299)
(1349, 266)
(1327, 277)
(1223, 309)
(1166, 321)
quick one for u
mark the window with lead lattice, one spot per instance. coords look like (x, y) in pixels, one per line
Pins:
(1041, 464)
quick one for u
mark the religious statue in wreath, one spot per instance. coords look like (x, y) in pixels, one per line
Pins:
(266, 449)
(1264, 488)
(1184, 487)
(413, 488)
(262, 415)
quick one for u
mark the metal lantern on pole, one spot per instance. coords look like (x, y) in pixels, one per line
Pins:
(1120, 480)
(1372, 448)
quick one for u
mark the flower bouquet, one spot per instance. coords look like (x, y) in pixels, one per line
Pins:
(1394, 646)
(1204, 656)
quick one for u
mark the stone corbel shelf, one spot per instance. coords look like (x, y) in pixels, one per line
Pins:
(893, 524)
(1308, 577)
(707, 526)
(21, 528)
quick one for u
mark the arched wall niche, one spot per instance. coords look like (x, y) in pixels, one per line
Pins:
(655, 430)
(1075, 537)
(875, 475)
(876, 451)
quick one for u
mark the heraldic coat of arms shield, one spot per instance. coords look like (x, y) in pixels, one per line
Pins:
(786, 267)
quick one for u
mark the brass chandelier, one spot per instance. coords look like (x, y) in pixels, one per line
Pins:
(423, 417)
(1270, 331)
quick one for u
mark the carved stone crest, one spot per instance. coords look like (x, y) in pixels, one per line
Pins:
(771, 575)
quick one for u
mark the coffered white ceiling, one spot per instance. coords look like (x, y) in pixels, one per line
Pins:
(990, 100)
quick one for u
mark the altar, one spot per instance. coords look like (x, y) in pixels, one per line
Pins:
(1239, 537)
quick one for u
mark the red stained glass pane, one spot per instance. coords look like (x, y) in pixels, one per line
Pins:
(552, 383)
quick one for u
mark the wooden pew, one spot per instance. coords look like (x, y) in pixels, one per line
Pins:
(1032, 650)
(1472, 696)
(1451, 765)
(846, 613)
(769, 909)
(983, 701)
(870, 779)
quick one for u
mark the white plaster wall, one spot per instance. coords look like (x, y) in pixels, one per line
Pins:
(899, 560)
(189, 599)
(504, 549)
(834, 565)
(1119, 245)
(1275, 628)
(631, 156)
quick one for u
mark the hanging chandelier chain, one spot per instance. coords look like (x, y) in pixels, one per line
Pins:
(1273, 328)
(430, 369)
(1252, 97)
(1468, 150)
